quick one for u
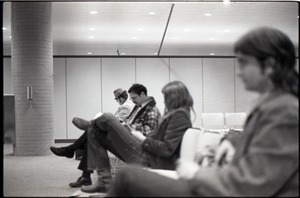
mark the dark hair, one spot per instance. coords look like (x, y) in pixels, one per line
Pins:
(124, 95)
(176, 96)
(266, 42)
(138, 89)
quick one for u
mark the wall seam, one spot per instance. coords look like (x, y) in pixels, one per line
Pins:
(202, 86)
(135, 70)
(101, 84)
(66, 92)
(234, 86)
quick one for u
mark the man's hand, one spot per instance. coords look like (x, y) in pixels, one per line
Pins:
(224, 153)
(138, 135)
(186, 169)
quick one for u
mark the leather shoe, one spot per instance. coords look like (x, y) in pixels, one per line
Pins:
(81, 123)
(81, 181)
(62, 151)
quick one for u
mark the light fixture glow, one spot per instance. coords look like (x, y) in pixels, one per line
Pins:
(226, 1)
(155, 53)
(212, 54)
(91, 37)
(93, 12)
(207, 14)
(4, 28)
(10, 37)
(152, 13)
(89, 53)
(140, 29)
(92, 28)
(212, 39)
(122, 53)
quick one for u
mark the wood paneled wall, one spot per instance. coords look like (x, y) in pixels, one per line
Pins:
(84, 86)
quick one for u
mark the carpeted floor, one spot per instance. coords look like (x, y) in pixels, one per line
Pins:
(40, 176)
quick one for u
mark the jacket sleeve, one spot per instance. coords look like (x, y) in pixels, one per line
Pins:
(179, 122)
(269, 162)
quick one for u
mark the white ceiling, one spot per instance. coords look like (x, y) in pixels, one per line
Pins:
(129, 28)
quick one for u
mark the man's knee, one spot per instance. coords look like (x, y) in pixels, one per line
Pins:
(107, 117)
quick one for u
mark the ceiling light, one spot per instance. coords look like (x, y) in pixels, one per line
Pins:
(133, 37)
(122, 53)
(91, 37)
(227, 30)
(152, 13)
(93, 12)
(212, 54)
(89, 53)
(92, 28)
(212, 39)
(226, 1)
(207, 14)
(155, 53)
(10, 37)
(4, 28)
(186, 30)
(140, 29)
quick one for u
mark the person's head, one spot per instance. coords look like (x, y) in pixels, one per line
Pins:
(266, 57)
(176, 95)
(120, 95)
(138, 93)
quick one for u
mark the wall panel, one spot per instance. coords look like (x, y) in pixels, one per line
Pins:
(7, 80)
(153, 73)
(218, 85)
(83, 91)
(189, 71)
(116, 73)
(59, 111)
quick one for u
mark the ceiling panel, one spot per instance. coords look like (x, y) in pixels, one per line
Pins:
(130, 29)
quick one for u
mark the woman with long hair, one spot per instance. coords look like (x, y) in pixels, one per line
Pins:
(157, 150)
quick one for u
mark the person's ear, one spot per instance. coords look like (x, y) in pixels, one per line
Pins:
(270, 64)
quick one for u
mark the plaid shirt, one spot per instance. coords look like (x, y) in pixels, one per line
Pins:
(146, 119)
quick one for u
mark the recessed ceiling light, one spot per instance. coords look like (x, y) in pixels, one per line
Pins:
(212, 54)
(226, 30)
(207, 14)
(226, 1)
(93, 12)
(91, 37)
(92, 28)
(212, 39)
(140, 29)
(152, 13)
(186, 30)
(10, 36)
(155, 53)
(90, 53)
(122, 53)
(4, 28)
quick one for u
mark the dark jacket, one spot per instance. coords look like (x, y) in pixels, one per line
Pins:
(163, 146)
(266, 161)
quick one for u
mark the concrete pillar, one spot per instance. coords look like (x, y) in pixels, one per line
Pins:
(32, 66)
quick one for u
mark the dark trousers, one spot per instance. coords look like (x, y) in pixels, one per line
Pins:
(136, 182)
(81, 143)
(108, 133)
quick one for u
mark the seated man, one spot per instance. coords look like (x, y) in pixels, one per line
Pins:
(125, 107)
(265, 160)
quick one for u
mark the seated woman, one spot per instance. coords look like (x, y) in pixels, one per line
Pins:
(158, 150)
(265, 161)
